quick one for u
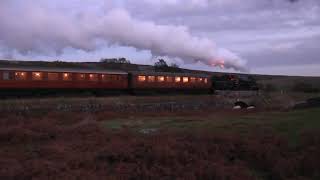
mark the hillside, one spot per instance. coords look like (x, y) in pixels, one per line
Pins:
(91, 65)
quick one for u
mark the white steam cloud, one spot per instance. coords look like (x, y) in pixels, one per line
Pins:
(40, 29)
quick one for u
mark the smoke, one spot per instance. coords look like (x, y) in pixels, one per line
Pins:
(41, 29)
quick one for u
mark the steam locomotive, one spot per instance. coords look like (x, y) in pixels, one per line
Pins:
(234, 82)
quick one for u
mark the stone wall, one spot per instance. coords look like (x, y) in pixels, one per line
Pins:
(121, 104)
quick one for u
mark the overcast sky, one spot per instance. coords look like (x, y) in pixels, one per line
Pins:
(261, 36)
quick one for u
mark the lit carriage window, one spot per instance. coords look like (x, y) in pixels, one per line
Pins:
(20, 75)
(192, 79)
(160, 78)
(141, 78)
(66, 76)
(169, 79)
(81, 77)
(185, 79)
(177, 79)
(93, 77)
(37, 76)
(200, 79)
(53, 76)
(104, 77)
(6, 76)
(151, 78)
(206, 80)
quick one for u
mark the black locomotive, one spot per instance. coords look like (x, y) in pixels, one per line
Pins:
(234, 82)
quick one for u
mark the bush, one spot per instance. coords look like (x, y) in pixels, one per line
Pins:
(304, 87)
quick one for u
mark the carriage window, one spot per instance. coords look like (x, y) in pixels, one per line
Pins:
(6, 76)
(185, 79)
(206, 80)
(53, 76)
(20, 75)
(193, 79)
(169, 79)
(177, 79)
(37, 76)
(151, 78)
(141, 78)
(81, 77)
(160, 78)
(105, 77)
(93, 77)
(200, 79)
(66, 76)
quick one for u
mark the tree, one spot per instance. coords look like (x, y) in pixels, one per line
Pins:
(161, 64)
(115, 60)
(123, 61)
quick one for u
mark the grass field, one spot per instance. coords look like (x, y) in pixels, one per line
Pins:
(201, 144)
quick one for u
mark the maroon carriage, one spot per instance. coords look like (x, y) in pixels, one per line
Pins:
(169, 82)
(61, 79)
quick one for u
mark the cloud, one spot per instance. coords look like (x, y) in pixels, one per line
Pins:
(296, 52)
(40, 29)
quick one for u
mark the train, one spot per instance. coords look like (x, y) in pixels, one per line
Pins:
(34, 81)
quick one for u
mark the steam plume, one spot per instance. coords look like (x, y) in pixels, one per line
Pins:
(39, 29)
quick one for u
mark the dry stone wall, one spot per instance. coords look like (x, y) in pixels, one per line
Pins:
(122, 104)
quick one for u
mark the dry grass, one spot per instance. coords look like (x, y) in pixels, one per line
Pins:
(191, 145)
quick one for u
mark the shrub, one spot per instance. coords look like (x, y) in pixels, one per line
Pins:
(304, 87)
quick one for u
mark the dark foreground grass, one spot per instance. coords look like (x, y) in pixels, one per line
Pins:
(193, 145)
